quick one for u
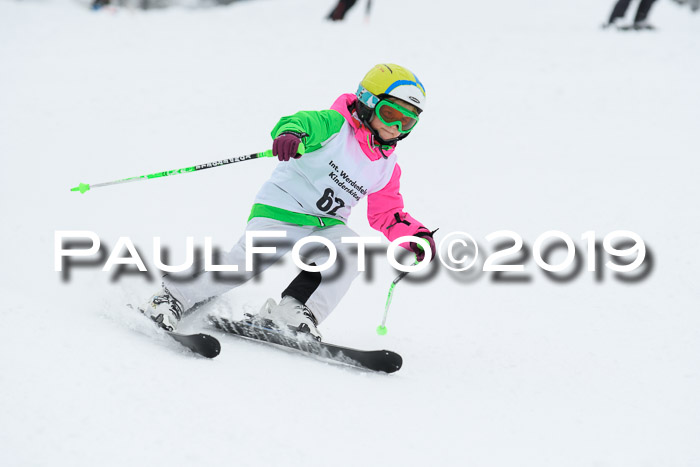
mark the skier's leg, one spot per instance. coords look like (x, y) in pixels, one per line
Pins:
(338, 13)
(643, 10)
(322, 291)
(205, 285)
(619, 10)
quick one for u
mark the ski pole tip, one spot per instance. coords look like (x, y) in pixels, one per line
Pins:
(381, 330)
(82, 188)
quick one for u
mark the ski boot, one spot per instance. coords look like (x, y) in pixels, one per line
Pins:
(290, 313)
(643, 26)
(164, 309)
(614, 24)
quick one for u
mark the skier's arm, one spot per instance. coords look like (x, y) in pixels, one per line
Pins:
(313, 127)
(385, 212)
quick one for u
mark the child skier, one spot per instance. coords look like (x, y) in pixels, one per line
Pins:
(329, 160)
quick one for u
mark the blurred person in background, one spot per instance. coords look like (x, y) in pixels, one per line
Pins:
(97, 4)
(338, 13)
(694, 4)
(343, 6)
(640, 19)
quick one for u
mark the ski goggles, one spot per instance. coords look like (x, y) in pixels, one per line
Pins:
(390, 114)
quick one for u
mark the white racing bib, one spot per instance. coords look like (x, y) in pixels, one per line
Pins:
(328, 182)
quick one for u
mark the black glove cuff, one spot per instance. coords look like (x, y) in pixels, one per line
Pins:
(295, 133)
(426, 232)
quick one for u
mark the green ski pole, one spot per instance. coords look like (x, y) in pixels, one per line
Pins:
(381, 329)
(83, 187)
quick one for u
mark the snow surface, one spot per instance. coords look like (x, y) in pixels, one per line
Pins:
(537, 120)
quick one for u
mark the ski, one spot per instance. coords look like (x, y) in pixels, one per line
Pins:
(202, 344)
(636, 27)
(374, 360)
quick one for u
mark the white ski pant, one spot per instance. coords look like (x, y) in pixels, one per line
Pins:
(321, 292)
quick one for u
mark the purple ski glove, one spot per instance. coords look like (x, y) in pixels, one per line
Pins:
(418, 250)
(286, 145)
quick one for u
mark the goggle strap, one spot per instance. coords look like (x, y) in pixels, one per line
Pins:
(366, 97)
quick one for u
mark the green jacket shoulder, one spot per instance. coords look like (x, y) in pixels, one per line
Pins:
(319, 126)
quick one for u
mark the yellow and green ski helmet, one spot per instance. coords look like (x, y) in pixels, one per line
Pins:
(390, 80)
